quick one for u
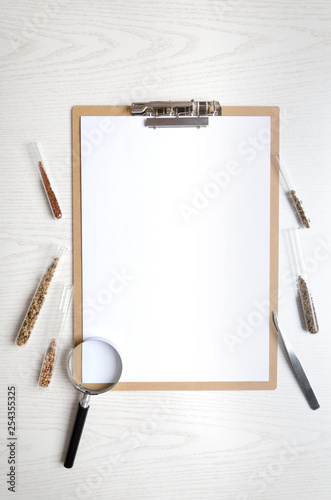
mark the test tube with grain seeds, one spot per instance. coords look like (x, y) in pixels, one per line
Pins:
(39, 297)
(39, 159)
(302, 281)
(62, 304)
(291, 191)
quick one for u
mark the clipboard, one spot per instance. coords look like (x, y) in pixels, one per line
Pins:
(181, 111)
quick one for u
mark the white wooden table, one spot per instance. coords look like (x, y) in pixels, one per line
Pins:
(173, 445)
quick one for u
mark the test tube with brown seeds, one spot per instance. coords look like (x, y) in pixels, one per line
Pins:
(306, 299)
(55, 207)
(307, 306)
(48, 365)
(292, 192)
(39, 298)
(36, 305)
(39, 157)
(62, 297)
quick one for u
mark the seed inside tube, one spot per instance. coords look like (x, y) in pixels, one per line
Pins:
(47, 369)
(299, 209)
(50, 193)
(308, 306)
(36, 305)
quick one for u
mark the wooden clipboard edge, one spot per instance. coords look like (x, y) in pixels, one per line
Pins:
(273, 112)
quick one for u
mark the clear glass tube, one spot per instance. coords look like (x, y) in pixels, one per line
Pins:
(291, 191)
(40, 294)
(39, 159)
(302, 281)
(63, 297)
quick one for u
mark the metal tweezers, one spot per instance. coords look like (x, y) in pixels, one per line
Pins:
(297, 368)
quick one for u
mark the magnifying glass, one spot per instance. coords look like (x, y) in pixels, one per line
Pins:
(94, 367)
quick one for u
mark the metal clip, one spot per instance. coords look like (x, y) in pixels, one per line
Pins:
(176, 113)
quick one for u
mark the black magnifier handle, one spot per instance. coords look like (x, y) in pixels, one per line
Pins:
(83, 408)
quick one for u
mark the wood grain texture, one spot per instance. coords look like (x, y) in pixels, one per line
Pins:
(160, 446)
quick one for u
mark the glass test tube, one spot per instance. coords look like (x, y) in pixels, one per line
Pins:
(43, 170)
(65, 293)
(40, 295)
(291, 191)
(300, 270)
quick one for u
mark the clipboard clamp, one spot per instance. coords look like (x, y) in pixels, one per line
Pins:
(176, 113)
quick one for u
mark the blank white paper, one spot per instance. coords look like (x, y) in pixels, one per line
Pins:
(176, 246)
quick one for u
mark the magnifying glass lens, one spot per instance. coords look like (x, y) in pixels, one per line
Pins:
(94, 366)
